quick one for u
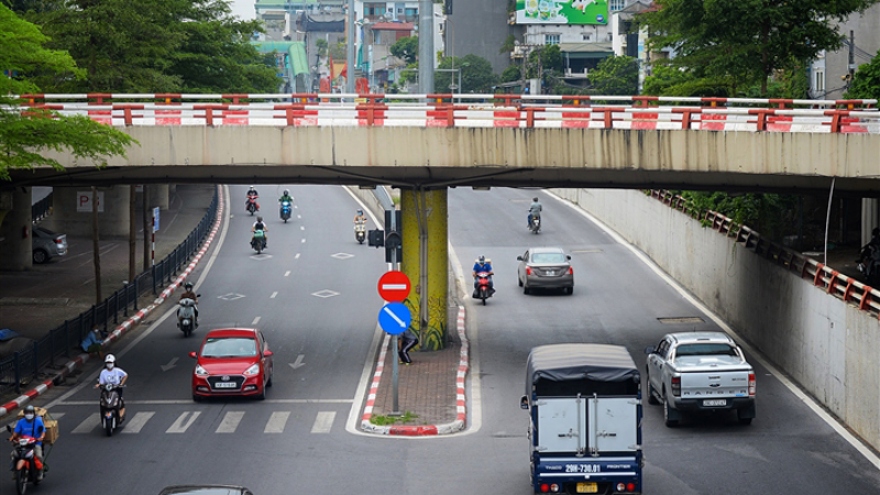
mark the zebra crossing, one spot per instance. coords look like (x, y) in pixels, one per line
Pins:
(186, 421)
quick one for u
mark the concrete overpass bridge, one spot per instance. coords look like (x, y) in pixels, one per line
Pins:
(424, 144)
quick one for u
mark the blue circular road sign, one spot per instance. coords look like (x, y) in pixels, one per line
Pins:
(394, 318)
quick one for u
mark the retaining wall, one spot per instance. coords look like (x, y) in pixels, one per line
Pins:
(829, 347)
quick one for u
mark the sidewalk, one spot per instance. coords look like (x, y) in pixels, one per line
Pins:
(32, 303)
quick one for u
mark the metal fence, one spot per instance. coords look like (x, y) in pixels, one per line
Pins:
(41, 209)
(64, 341)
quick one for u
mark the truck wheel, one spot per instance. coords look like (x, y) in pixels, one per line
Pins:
(668, 414)
(745, 421)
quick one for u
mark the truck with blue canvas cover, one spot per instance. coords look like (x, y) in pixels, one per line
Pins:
(585, 409)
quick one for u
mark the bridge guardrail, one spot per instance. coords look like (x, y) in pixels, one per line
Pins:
(16, 370)
(485, 110)
(845, 288)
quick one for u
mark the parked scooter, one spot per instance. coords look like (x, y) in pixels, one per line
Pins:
(285, 210)
(111, 403)
(25, 462)
(535, 224)
(252, 205)
(360, 231)
(258, 241)
(186, 316)
(484, 290)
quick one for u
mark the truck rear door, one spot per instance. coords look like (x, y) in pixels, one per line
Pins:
(714, 384)
(613, 424)
(562, 425)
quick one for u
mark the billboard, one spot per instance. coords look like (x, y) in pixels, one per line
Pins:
(562, 12)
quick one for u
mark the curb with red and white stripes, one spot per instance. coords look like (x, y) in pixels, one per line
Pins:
(422, 430)
(123, 327)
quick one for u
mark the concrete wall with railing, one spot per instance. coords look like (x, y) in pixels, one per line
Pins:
(828, 346)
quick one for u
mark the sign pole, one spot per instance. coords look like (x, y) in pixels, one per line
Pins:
(395, 367)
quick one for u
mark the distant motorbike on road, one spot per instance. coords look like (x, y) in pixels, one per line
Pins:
(360, 231)
(111, 403)
(258, 241)
(252, 205)
(25, 462)
(186, 316)
(535, 223)
(484, 290)
(286, 209)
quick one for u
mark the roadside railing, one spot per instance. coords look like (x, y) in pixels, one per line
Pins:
(825, 277)
(64, 341)
(41, 209)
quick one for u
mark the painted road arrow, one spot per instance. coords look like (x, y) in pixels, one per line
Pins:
(298, 363)
(171, 364)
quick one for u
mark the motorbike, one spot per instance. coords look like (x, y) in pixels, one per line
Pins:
(186, 316)
(535, 223)
(285, 211)
(360, 231)
(252, 205)
(111, 403)
(25, 462)
(483, 290)
(258, 241)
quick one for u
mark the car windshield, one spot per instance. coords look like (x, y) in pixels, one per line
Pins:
(548, 258)
(230, 347)
(705, 350)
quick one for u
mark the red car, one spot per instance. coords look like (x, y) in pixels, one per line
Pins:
(232, 361)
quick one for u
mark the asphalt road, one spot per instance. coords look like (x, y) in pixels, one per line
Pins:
(317, 305)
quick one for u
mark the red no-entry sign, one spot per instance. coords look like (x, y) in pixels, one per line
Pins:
(394, 286)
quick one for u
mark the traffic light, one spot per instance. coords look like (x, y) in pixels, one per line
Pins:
(393, 245)
(447, 7)
(376, 238)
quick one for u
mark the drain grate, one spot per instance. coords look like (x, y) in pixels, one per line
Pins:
(680, 320)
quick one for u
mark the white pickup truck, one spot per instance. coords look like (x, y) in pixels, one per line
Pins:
(700, 372)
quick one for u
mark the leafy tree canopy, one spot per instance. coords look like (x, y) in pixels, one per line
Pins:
(744, 42)
(866, 82)
(24, 136)
(476, 74)
(615, 76)
(406, 49)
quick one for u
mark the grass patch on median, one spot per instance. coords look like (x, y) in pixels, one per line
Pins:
(385, 420)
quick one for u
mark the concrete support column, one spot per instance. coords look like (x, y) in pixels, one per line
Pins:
(870, 218)
(72, 211)
(158, 195)
(424, 218)
(15, 229)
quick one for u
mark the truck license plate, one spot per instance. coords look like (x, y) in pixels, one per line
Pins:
(715, 402)
(587, 488)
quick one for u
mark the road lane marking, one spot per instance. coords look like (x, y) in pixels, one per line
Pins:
(276, 422)
(230, 422)
(302, 227)
(184, 421)
(323, 422)
(256, 320)
(135, 424)
(88, 424)
(273, 295)
(287, 273)
(303, 241)
(296, 257)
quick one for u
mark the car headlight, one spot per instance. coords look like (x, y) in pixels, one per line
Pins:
(201, 371)
(253, 370)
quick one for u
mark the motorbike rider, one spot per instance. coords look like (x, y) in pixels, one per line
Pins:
(30, 425)
(189, 294)
(252, 193)
(285, 197)
(259, 225)
(116, 376)
(483, 265)
(359, 217)
(534, 211)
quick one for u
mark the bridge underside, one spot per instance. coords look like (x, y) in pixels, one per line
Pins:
(439, 157)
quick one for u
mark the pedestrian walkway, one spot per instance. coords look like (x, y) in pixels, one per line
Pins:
(431, 392)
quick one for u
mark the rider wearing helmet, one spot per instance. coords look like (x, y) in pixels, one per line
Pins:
(359, 217)
(252, 193)
(189, 294)
(484, 265)
(534, 211)
(115, 376)
(285, 197)
(30, 425)
(259, 225)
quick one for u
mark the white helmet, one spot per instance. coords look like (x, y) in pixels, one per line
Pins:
(110, 358)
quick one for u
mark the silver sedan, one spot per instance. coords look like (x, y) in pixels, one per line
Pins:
(545, 268)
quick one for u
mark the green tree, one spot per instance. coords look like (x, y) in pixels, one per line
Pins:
(744, 43)
(615, 76)
(24, 137)
(406, 49)
(866, 81)
(476, 74)
(322, 46)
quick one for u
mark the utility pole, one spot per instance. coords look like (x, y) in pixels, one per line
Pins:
(852, 58)
(349, 52)
(426, 46)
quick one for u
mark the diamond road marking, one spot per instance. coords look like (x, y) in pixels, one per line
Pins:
(325, 293)
(342, 256)
(232, 296)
